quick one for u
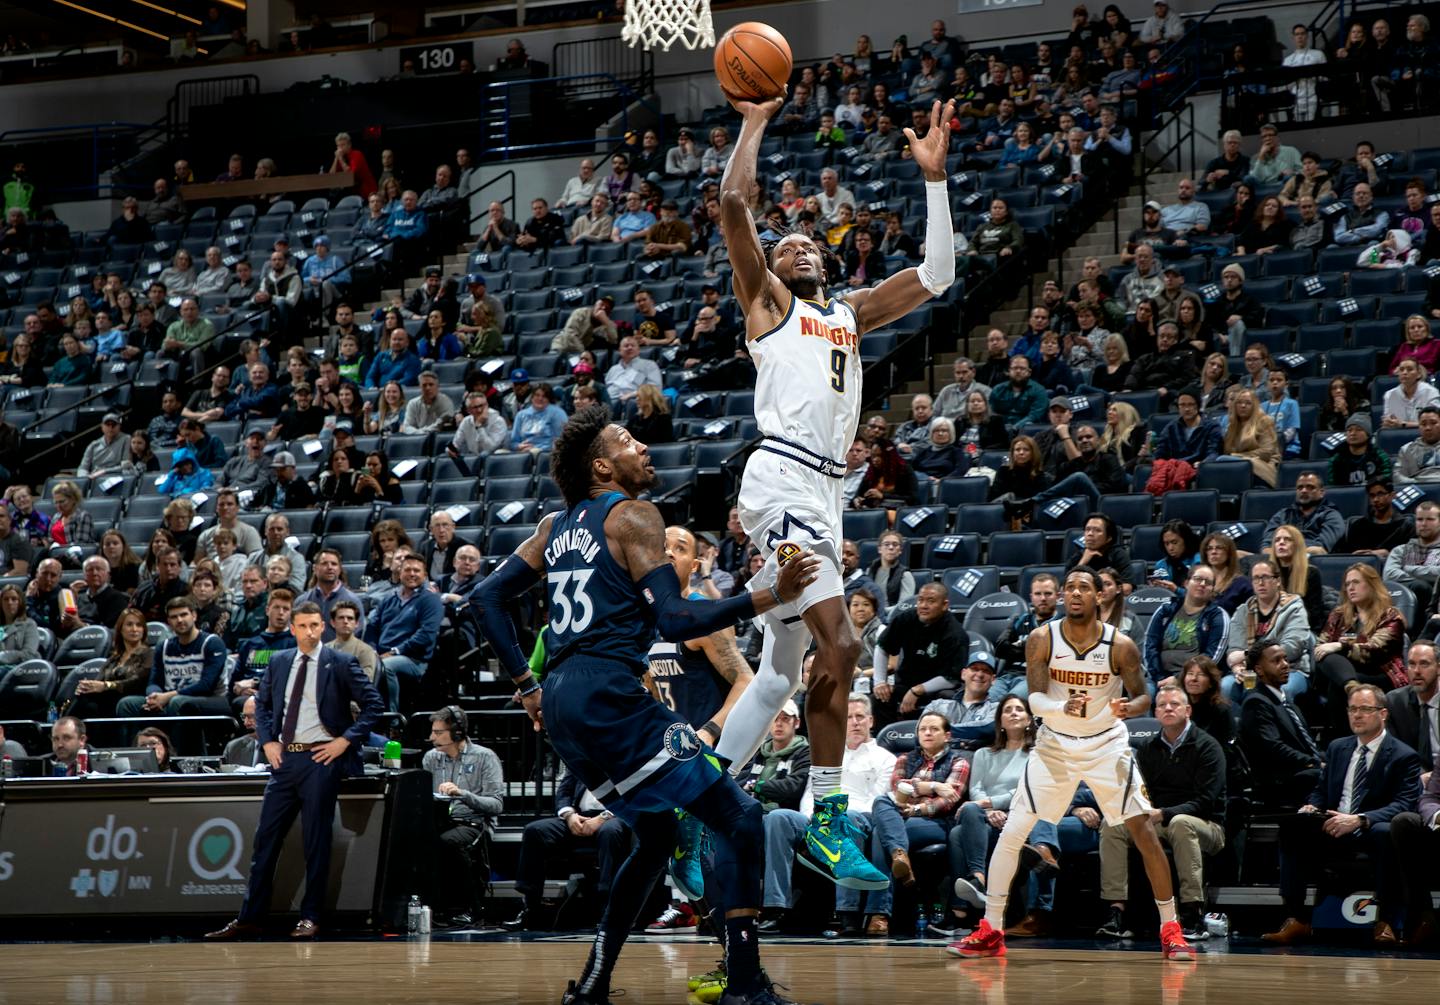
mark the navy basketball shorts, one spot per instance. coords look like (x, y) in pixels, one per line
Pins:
(632, 752)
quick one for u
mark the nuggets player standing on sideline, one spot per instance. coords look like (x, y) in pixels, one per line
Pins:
(610, 588)
(806, 346)
(1076, 669)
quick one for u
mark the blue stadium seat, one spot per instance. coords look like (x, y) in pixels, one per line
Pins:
(1145, 543)
(953, 492)
(1261, 504)
(862, 524)
(967, 585)
(1197, 506)
(1014, 549)
(1130, 510)
(944, 551)
(1320, 338)
(1373, 282)
(983, 520)
(921, 521)
(1287, 263)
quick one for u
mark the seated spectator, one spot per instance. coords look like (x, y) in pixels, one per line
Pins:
(245, 749)
(186, 476)
(208, 449)
(1186, 214)
(249, 470)
(1169, 369)
(953, 400)
(1190, 624)
(1313, 181)
(1363, 640)
(1020, 399)
(1268, 231)
(889, 482)
(301, 419)
(499, 231)
(1099, 546)
(288, 490)
(596, 225)
(544, 229)
(124, 565)
(107, 453)
(630, 371)
(1419, 460)
(1382, 528)
(927, 645)
(1274, 162)
(153, 738)
(19, 640)
(890, 578)
(1360, 170)
(581, 189)
(1273, 731)
(1145, 283)
(634, 223)
(653, 325)
(926, 786)
(480, 432)
(1312, 230)
(1359, 461)
(130, 227)
(1394, 250)
(429, 410)
(651, 422)
(1053, 373)
(1282, 409)
(187, 677)
(1349, 812)
(1318, 521)
(940, 456)
(1415, 564)
(253, 654)
(1000, 235)
(978, 427)
(403, 630)
(1419, 345)
(1230, 166)
(1184, 770)
(1271, 615)
(1010, 643)
(470, 776)
(1023, 475)
(1362, 223)
(1180, 545)
(1415, 394)
(1345, 399)
(1237, 214)
(915, 431)
(399, 363)
(125, 673)
(539, 422)
(1152, 232)
(259, 399)
(683, 159)
(1124, 434)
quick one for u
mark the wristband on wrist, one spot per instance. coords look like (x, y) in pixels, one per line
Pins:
(776, 594)
(712, 728)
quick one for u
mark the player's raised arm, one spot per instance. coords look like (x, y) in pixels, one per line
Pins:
(751, 275)
(637, 528)
(906, 290)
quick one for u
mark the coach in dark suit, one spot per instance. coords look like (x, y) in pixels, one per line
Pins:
(1416, 837)
(304, 725)
(1370, 778)
(579, 822)
(1274, 734)
(1414, 708)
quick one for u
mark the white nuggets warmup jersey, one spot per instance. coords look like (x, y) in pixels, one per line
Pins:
(807, 404)
(1093, 748)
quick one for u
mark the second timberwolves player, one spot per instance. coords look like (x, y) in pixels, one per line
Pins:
(806, 347)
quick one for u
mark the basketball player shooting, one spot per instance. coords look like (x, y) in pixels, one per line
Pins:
(806, 346)
(1076, 669)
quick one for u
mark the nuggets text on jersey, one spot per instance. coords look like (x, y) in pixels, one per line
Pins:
(835, 334)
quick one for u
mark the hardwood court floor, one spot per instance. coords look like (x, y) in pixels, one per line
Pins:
(653, 971)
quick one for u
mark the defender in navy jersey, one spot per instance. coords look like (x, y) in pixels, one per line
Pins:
(610, 589)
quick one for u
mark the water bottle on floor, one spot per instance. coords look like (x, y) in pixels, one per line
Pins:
(922, 922)
(412, 920)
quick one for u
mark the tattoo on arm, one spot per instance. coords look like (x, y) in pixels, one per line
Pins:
(1127, 662)
(724, 656)
(532, 550)
(638, 530)
(1037, 662)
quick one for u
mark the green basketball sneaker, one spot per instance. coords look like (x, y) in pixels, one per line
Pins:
(830, 848)
(685, 869)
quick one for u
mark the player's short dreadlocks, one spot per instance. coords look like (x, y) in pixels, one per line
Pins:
(575, 451)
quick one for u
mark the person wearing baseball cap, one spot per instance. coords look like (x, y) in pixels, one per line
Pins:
(1162, 27)
(434, 295)
(671, 236)
(518, 397)
(324, 277)
(588, 326)
(107, 453)
(1152, 231)
(583, 374)
(288, 490)
(477, 285)
(779, 772)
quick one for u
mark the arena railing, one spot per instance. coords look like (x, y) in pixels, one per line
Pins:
(104, 139)
(505, 93)
(108, 393)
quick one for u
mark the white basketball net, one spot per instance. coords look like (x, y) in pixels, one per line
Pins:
(665, 22)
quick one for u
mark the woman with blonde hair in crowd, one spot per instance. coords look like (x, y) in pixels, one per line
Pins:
(1251, 437)
(1124, 433)
(1297, 575)
(1214, 382)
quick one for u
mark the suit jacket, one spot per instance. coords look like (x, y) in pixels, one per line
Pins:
(243, 750)
(1269, 737)
(1430, 798)
(339, 682)
(570, 792)
(1405, 723)
(1392, 779)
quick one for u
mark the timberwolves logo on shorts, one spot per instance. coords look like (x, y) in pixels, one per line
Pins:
(786, 551)
(681, 742)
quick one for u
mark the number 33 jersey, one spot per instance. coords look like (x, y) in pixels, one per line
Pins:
(807, 388)
(596, 609)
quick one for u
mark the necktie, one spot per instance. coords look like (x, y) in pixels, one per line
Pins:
(292, 705)
(1300, 725)
(1427, 732)
(1357, 786)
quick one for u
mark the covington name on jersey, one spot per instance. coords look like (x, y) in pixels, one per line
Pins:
(576, 539)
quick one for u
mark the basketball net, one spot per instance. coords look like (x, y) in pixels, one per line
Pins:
(665, 22)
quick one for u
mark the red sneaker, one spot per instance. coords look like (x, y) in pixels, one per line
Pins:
(982, 942)
(1172, 943)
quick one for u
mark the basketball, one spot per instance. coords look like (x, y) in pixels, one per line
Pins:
(753, 62)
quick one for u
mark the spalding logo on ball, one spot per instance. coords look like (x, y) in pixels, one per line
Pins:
(753, 62)
(786, 551)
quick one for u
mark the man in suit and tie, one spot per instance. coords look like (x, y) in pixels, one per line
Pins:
(1273, 732)
(1416, 837)
(1370, 777)
(311, 740)
(1415, 708)
(579, 822)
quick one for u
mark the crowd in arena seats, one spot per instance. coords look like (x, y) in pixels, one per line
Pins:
(1233, 353)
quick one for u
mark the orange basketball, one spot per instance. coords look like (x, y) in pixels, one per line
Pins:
(753, 61)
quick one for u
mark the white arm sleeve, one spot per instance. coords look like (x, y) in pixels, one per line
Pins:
(937, 272)
(1041, 703)
(881, 665)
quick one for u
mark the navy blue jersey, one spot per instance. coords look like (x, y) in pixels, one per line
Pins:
(688, 685)
(595, 607)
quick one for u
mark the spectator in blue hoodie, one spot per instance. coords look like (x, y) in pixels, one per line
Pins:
(260, 399)
(186, 476)
(398, 363)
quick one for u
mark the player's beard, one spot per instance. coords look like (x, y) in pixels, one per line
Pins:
(804, 287)
(1081, 616)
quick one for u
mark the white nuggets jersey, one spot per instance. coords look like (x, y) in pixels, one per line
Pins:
(1091, 673)
(807, 389)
